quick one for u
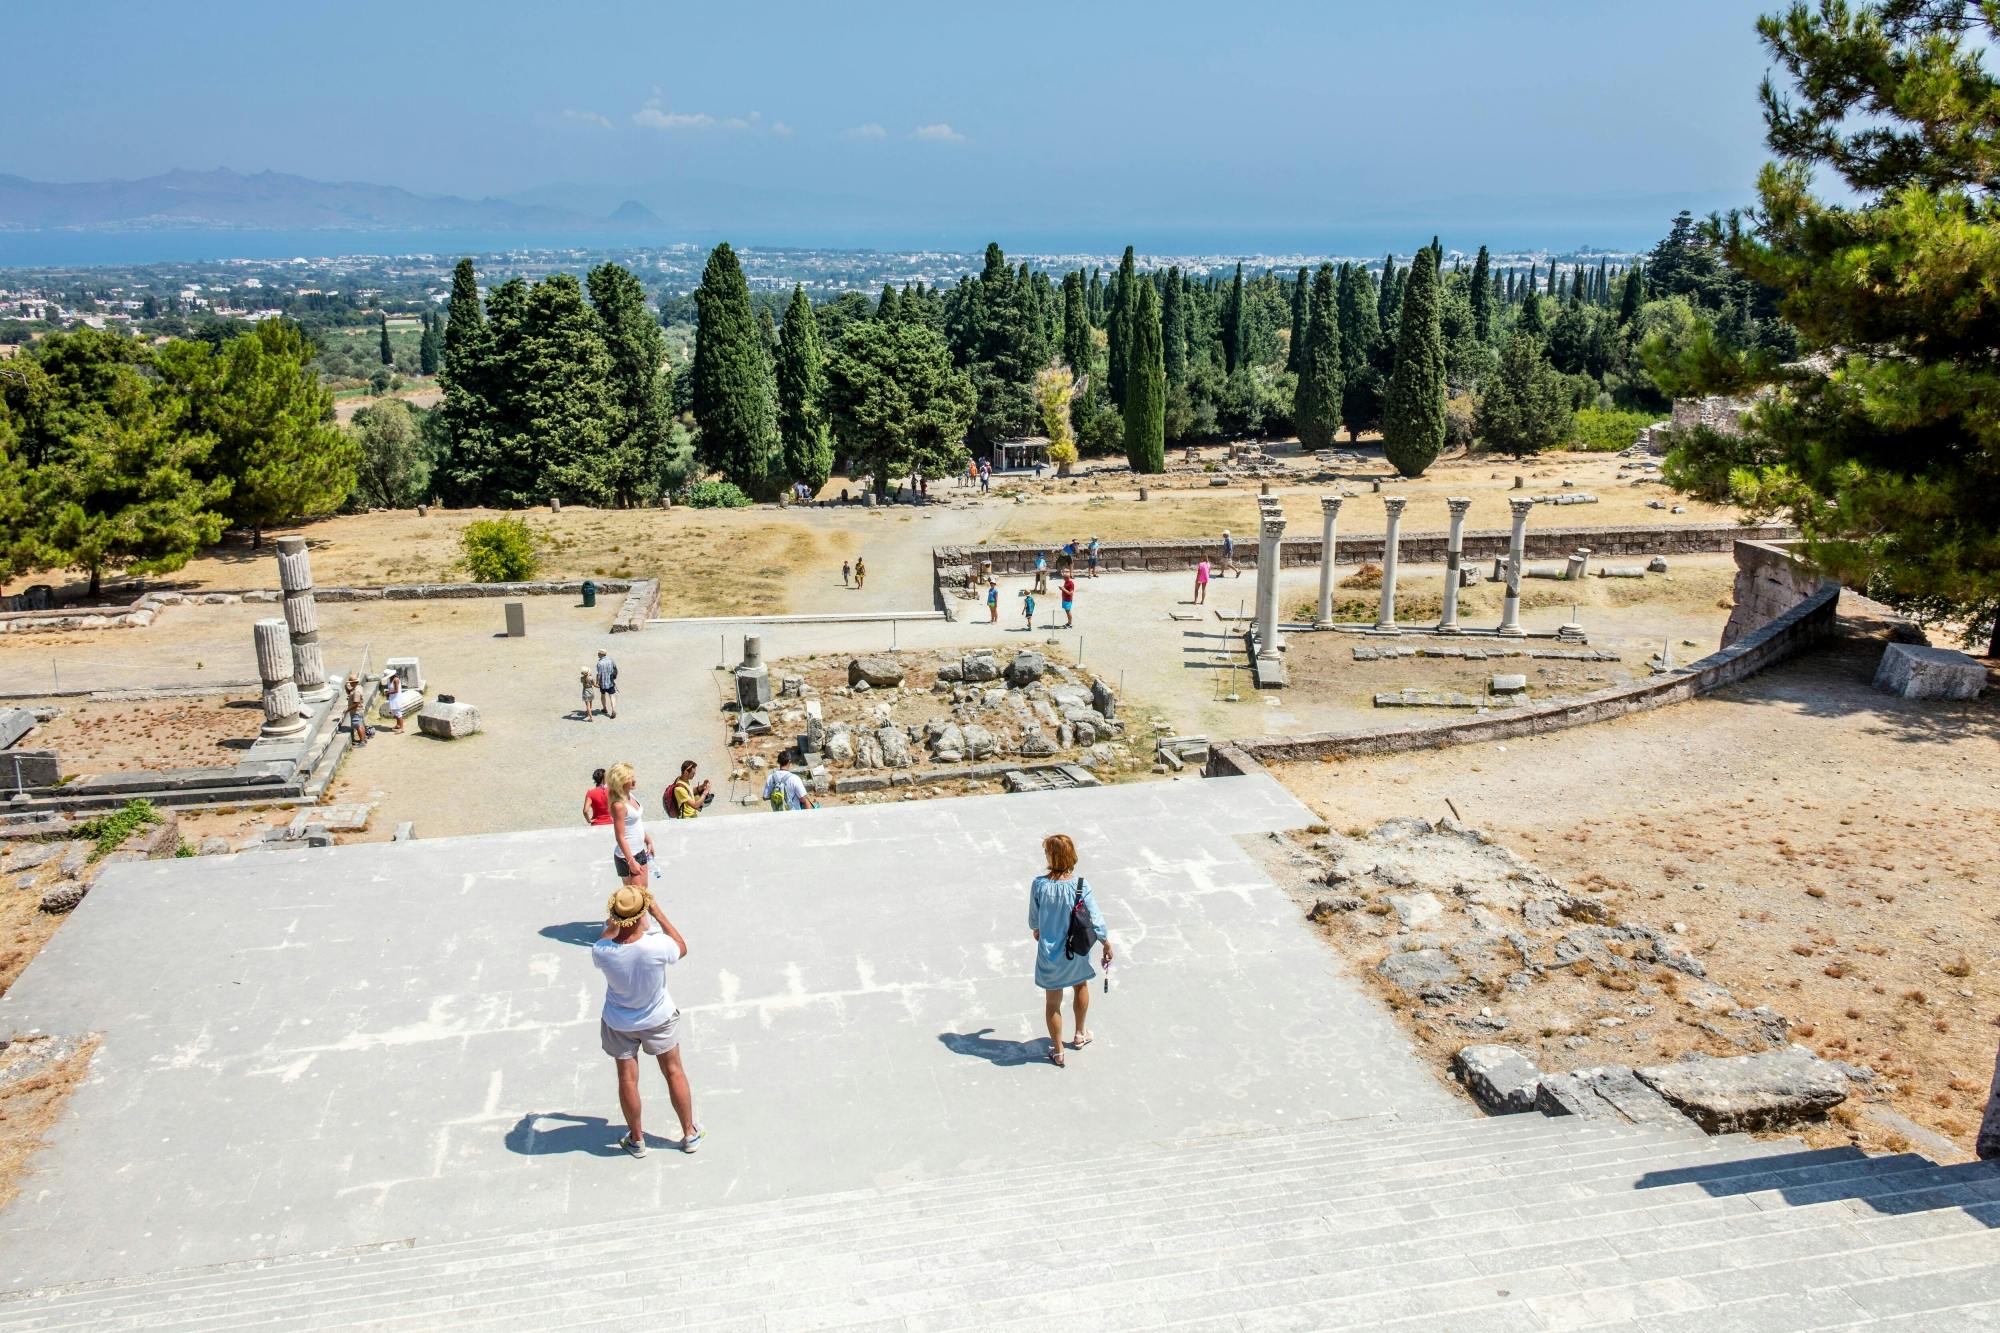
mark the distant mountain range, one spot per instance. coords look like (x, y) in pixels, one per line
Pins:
(275, 201)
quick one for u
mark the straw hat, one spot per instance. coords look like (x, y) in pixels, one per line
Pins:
(627, 905)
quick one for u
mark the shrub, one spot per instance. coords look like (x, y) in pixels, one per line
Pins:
(500, 550)
(1600, 431)
(107, 831)
(714, 495)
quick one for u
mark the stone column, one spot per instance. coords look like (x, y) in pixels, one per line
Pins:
(1329, 510)
(1517, 544)
(1454, 549)
(302, 617)
(1387, 619)
(1270, 540)
(274, 669)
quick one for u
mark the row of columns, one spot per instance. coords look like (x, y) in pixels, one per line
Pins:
(1273, 529)
(289, 665)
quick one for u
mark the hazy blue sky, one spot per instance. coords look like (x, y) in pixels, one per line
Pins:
(1088, 114)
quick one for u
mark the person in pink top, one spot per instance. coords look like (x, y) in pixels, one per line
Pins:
(1201, 583)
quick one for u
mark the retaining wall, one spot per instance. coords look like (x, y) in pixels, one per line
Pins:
(1802, 623)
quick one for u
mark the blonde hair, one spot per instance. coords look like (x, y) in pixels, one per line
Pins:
(1061, 853)
(618, 782)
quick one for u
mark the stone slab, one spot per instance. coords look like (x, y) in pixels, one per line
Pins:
(1746, 1092)
(14, 724)
(448, 721)
(21, 769)
(1500, 1078)
(1914, 671)
(383, 1041)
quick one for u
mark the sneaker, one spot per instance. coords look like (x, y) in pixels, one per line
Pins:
(692, 1141)
(636, 1147)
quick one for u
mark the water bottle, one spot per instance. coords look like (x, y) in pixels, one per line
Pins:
(1107, 977)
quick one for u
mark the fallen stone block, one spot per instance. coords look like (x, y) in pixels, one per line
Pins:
(448, 721)
(1917, 672)
(1501, 1079)
(1746, 1092)
(879, 672)
(1421, 970)
(14, 724)
(1609, 1092)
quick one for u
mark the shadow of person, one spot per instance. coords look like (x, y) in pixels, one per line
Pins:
(533, 1135)
(585, 933)
(995, 1050)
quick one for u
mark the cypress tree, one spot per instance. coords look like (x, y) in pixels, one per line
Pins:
(562, 372)
(735, 402)
(1510, 286)
(1173, 328)
(465, 374)
(1232, 325)
(801, 377)
(1360, 331)
(1577, 293)
(1554, 278)
(1600, 289)
(1482, 298)
(1633, 296)
(886, 308)
(1146, 387)
(640, 393)
(1094, 307)
(1385, 295)
(429, 348)
(1317, 402)
(1531, 320)
(388, 354)
(1413, 420)
(1301, 299)
(1119, 326)
(1076, 342)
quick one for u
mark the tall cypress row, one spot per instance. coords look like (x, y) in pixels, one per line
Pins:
(1174, 326)
(1413, 416)
(735, 402)
(1076, 325)
(1482, 298)
(1301, 299)
(1232, 325)
(801, 375)
(1316, 404)
(1146, 385)
(1118, 325)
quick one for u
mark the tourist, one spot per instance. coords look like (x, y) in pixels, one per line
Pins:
(992, 601)
(633, 846)
(1201, 582)
(784, 789)
(1229, 553)
(971, 474)
(589, 684)
(1041, 571)
(1052, 900)
(860, 573)
(607, 682)
(597, 801)
(639, 944)
(392, 691)
(846, 574)
(357, 722)
(1069, 601)
(1068, 556)
(685, 798)
(1028, 608)
(985, 477)
(1093, 557)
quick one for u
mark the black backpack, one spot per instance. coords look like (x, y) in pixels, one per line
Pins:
(1081, 936)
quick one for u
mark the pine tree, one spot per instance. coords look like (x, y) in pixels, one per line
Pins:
(1301, 299)
(1631, 297)
(640, 394)
(801, 376)
(1095, 306)
(1174, 328)
(896, 403)
(388, 352)
(1482, 298)
(1317, 402)
(1413, 420)
(1530, 320)
(735, 402)
(1577, 293)
(1146, 387)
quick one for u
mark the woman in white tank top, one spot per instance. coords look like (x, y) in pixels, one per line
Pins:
(633, 850)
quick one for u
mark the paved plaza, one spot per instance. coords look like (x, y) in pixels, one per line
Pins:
(312, 1050)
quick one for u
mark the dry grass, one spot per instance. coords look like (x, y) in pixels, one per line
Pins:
(29, 1108)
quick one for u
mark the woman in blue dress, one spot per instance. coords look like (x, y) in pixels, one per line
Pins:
(1050, 900)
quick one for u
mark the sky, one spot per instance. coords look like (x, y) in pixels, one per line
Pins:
(939, 120)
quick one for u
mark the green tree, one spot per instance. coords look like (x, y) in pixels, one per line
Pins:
(1146, 387)
(1631, 296)
(641, 397)
(802, 423)
(1301, 299)
(1387, 298)
(1174, 328)
(391, 471)
(388, 353)
(465, 417)
(110, 471)
(897, 404)
(885, 305)
(1482, 297)
(1524, 407)
(1413, 415)
(735, 401)
(430, 347)
(1885, 447)
(1118, 328)
(1316, 407)
(1076, 340)
(1530, 320)
(567, 411)
(1361, 381)
(1233, 342)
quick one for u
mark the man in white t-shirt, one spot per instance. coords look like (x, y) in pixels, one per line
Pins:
(784, 789)
(639, 944)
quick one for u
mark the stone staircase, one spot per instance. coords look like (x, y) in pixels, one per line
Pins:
(1519, 1222)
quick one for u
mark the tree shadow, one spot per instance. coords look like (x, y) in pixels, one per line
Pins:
(995, 1050)
(585, 933)
(590, 1134)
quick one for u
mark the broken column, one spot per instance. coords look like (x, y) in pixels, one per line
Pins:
(302, 620)
(1329, 509)
(1454, 547)
(274, 669)
(753, 679)
(1387, 619)
(1270, 540)
(1517, 545)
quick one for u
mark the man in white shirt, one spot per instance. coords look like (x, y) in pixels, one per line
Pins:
(784, 789)
(639, 944)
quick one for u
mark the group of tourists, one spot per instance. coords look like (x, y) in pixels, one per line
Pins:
(398, 702)
(600, 687)
(979, 475)
(854, 575)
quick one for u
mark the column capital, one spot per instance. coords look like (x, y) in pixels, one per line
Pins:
(1520, 504)
(1458, 504)
(1329, 504)
(1274, 525)
(1394, 504)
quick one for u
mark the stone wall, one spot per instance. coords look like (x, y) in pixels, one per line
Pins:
(1799, 625)
(1721, 414)
(1770, 580)
(958, 566)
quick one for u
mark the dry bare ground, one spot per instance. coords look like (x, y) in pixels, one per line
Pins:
(31, 1104)
(1827, 848)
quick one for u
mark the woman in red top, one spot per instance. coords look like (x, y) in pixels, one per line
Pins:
(597, 801)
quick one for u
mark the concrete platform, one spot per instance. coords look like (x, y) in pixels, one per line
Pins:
(397, 1042)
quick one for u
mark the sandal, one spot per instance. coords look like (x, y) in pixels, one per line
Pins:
(1056, 1055)
(1083, 1039)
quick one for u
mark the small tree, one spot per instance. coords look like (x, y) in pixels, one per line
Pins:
(1525, 408)
(1055, 388)
(392, 471)
(500, 550)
